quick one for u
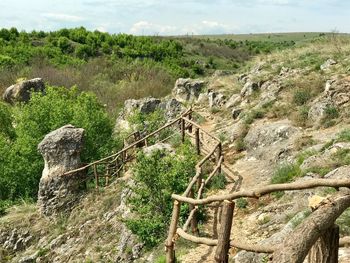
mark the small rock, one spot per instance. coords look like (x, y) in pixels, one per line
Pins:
(249, 88)
(328, 64)
(236, 112)
(234, 100)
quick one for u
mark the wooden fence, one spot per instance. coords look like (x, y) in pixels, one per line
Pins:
(109, 168)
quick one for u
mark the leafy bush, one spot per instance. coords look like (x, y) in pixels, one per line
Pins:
(218, 182)
(156, 177)
(301, 96)
(20, 163)
(241, 202)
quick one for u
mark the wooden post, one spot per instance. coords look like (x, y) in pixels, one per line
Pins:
(194, 222)
(219, 153)
(169, 243)
(190, 118)
(222, 249)
(183, 130)
(197, 141)
(325, 250)
(199, 180)
(96, 176)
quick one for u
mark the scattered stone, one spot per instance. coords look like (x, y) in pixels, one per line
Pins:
(187, 89)
(216, 99)
(236, 112)
(249, 88)
(61, 152)
(330, 62)
(233, 101)
(20, 92)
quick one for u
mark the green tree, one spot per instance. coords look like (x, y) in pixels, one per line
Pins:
(156, 177)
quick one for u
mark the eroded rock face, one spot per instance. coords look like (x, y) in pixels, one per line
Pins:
(269, 133)
(61, 152)
(146, 105)
(20, 92)
(187, 89)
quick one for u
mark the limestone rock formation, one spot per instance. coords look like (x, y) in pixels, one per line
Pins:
(146, 105)
(187, 89)
(266, 134)
(20, 92)
(61, 152)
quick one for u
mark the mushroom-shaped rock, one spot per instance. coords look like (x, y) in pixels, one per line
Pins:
(20, 92)
(61, 152)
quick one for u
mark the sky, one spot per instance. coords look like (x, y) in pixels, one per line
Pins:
(178, 17)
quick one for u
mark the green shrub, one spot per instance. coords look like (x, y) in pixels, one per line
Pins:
(301, 96)
(285, 173)
(241, 202)
(218, 182)
(331, 112)
(239, 144)
(156, 177)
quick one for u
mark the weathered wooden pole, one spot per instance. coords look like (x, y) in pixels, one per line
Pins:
(325, 250)
(169, 243)
(222, 249)
(194, 221)
(219, 154)
(190, 118)
(198, 149)
(96, 177)
(183, 130)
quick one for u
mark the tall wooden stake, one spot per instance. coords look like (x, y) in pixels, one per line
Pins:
(183, 130)
(222, 249)
(325, 250)
(194, 222)
(219, 149)
(169, 243)
(198, 149)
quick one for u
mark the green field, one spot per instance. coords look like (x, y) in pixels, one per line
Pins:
(273, 37)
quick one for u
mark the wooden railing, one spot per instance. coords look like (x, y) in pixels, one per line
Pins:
(205, 143)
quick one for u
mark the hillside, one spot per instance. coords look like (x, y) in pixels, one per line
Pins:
(281, 116)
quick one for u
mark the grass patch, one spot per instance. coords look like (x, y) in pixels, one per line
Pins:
(218, 182)
(344, 136)
(286, 173)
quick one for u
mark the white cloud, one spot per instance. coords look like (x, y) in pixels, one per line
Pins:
(62, 17)
(204, 27)
(148, 28)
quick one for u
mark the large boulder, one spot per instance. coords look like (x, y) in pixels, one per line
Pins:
(20, 92)
(146, 105)
(61, 152)
(265, 134)
(187, 89)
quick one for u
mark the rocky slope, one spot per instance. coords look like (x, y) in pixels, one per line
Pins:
(284, 118)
